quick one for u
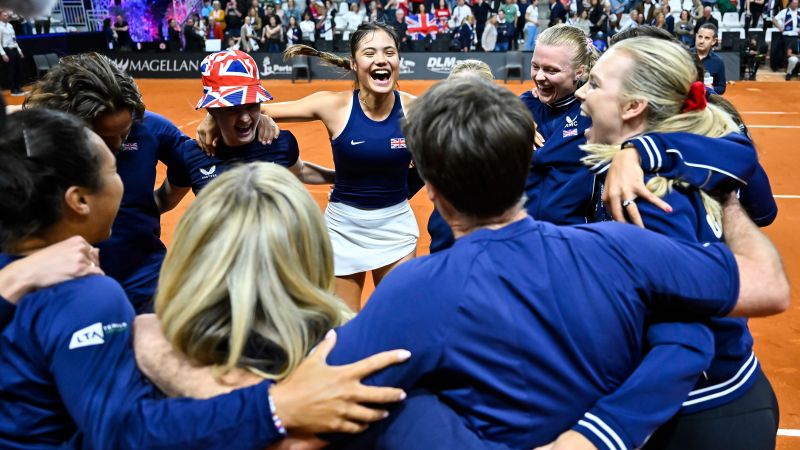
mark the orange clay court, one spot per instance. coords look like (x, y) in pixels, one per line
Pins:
(770, 109)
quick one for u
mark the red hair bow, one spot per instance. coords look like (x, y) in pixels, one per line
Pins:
(696, 101)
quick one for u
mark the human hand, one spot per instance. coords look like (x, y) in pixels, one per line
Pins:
(5, 58)
(68, 259)
(569, 440)
(625, 184)
(318, 398)
(207, 135)
(267, 129)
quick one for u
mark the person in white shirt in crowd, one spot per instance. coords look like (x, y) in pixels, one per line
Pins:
(531, 26)
(629, 21)
(307, 27)
(460, 12)
(353, 19)
(247, 36)
(786, 21)
(11, 54)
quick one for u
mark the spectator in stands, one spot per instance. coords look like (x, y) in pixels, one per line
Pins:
(174, 43)
(531, 26)
(270, 11)
(193, 40)
(684, 29)
(597, 17)
(629, 21)
(233, 19)
(205, 11)
(248, 39)
(11, 54)
(255, 20)
(647, 10)
(216, 20)
(558, 14)
(706, 18)
(202, 27)
(752, 13)
(123, 34)
(481, 11)
(465, 38)
(109, 34)
(374, 13)
(660, 21)
(752, 57)
(505, 32)
(290, 9)
(668, 17)
(42, 24)
(307, 27)
(442, 13)
(293, 34)
(786, 21)
(489, 37)
(697, 10)
(353, 18)
(326, 27)
(459, 13)
(725, 6)
(582, 21)
(272, 35)
(704, 42)
(511, 13)
(401, 28)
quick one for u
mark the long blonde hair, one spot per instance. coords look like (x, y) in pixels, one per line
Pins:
(662, 74)
(472, 66)
(249, 280)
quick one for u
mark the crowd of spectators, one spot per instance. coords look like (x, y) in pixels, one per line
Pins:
(463, 25)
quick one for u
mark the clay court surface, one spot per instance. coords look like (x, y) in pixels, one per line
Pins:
(771, 110)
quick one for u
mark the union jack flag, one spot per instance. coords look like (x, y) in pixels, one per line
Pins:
(230, 78)
(398, 142)
(421, 25)
(570, 132)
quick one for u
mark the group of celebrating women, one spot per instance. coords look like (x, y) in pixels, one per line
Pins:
(516, 332)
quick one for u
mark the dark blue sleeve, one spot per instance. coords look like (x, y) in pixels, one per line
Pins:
(655, 391)
(399, 315)
(87, 343)
(679, 224)
(292, 149)
(7, 310)
(169, 137)
(673, 276)
(719, 75)
(757, 199)
(712, 164)
(177, 170)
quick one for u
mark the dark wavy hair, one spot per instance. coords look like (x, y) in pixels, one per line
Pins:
(87, 85)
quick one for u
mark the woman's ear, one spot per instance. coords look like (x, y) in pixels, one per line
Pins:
(76, 201)
(633, 108)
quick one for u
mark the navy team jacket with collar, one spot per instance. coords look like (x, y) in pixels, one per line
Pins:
(68, 379)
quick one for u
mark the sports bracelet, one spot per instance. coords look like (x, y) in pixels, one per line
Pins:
(275, 419)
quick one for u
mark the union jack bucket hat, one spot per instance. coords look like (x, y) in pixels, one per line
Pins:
(230, 78)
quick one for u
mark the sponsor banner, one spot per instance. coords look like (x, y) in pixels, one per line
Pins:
(413, 66)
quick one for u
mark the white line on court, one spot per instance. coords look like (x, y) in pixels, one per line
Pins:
(773, 126)
(771, 113)
(787, 432)
(187, 124)
(786, 196)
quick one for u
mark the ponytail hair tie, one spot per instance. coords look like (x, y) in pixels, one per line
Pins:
(696, 101)
(589, 44)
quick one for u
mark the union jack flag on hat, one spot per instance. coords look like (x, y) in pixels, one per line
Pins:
(230, 78)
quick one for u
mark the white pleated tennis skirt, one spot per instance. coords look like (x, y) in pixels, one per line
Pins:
(366, 239)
